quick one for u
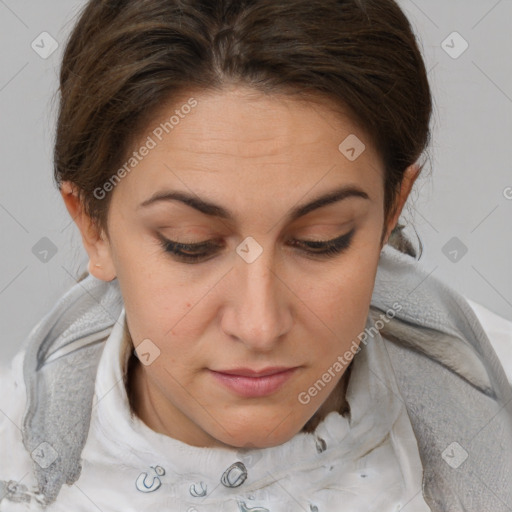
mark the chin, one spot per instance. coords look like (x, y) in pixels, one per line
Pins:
(257, 440)
(257, 434)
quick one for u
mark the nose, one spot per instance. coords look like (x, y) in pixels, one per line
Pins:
(259, 310)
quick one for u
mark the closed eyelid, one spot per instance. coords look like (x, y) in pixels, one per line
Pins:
(313, 249)
(213, 241)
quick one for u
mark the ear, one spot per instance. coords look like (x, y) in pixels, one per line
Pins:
(410, 175)
(95, 243)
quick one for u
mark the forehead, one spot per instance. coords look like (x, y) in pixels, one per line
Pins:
(242, 140)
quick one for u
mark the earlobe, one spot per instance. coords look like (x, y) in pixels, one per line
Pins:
(96, 271)
(410, 175)
(95, 243)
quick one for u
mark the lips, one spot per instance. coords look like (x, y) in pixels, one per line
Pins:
(248, 372)
(254, 384)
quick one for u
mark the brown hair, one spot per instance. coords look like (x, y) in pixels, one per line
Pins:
(127, 58)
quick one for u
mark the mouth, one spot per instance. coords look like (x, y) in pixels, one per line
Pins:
(249, 372)
(250, 383)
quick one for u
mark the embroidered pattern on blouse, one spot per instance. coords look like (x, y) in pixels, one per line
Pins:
(150, 482)
(195, 492)
(244, 508)
(321, 445)
(235, 475)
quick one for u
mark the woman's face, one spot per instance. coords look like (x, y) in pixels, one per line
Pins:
(251, 171)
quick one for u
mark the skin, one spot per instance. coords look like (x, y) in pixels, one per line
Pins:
(258, 156)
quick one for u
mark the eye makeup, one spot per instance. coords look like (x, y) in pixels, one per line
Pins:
(201, 251)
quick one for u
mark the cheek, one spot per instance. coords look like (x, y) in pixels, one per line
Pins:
(155, 293)
(168, 314)
(342, 297)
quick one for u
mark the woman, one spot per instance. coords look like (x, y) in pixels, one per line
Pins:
(254, 333)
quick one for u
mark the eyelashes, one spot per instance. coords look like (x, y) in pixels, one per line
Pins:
(190, 252)
(325, 248)
(198, 252)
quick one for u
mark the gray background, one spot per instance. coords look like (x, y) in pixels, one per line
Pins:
(463, 200)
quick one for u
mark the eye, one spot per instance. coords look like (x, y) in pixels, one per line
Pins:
(328, 248)
(189, 253)
(193, 253)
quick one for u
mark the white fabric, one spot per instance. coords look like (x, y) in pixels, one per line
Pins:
(121, 449)
(499, 332)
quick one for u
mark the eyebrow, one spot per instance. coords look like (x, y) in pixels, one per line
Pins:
(214, 210)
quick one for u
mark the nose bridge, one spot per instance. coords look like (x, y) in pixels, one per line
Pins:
(260, 314)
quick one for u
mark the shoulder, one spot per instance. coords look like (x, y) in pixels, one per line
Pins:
(499, 332)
